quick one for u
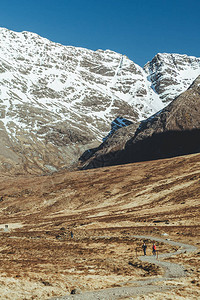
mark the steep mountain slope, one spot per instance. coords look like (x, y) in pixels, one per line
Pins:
(56, 101)
(172, 74)
(121, 131)
(173, 131)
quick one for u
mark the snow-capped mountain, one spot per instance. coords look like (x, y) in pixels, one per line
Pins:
(173, 131)
(172, 74)
(56, 101)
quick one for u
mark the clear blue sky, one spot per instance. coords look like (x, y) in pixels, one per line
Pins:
(137, 28)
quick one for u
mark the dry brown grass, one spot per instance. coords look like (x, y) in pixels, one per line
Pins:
(104, 208)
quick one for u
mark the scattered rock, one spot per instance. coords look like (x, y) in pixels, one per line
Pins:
(46, 283)
(58, 236)
(164, 234)
(193, 281)
(75, 291)
(62, 228)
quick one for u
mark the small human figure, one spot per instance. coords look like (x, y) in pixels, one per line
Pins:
(72, 235)
(144, 247)
(154, 249)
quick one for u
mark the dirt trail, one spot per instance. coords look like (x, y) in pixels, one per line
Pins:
(171, 270)
(141, 287)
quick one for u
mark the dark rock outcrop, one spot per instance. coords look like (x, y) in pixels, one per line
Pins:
(121, 131)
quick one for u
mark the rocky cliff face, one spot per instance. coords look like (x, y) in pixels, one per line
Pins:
(172, 74)
(56, 101)
(173, 131)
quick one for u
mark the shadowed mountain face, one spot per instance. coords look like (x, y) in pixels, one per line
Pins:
(171, 132)
(121, 131)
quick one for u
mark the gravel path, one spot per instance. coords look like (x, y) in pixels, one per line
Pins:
(141, 287)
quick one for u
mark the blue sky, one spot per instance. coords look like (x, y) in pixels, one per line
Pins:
(136, 28)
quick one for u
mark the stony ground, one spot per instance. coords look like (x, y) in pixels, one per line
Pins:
(104, 208)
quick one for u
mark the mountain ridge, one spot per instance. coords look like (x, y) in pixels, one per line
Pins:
(173, 131)
(57, 101)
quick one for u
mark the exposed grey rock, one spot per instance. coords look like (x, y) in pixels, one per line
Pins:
(168, 75)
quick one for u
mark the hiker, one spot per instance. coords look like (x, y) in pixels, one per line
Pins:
(72, 235)
(144, 247)
(154, 249)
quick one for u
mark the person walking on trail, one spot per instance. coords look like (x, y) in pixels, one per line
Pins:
(144, 247)
(71, 233)
(154, 249)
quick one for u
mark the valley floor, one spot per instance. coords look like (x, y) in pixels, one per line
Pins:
(104, 208)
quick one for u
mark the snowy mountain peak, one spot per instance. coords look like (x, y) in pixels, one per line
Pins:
(172, 74)
(66, 97)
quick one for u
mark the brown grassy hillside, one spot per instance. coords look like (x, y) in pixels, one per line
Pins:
(104, 208)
